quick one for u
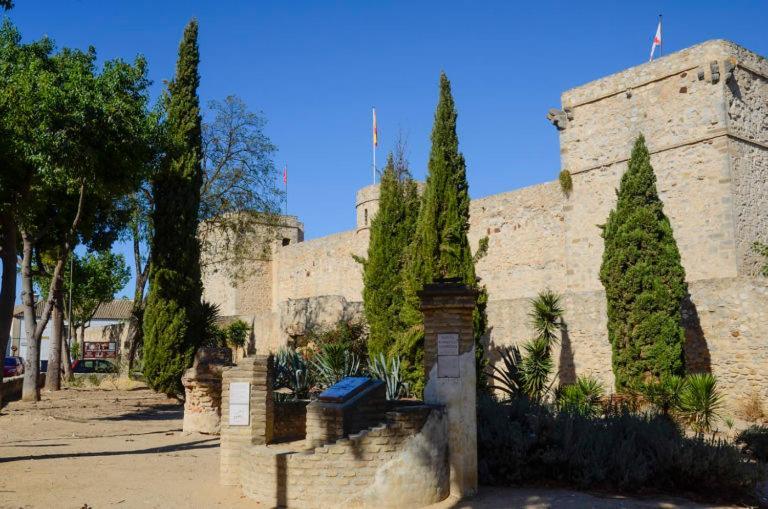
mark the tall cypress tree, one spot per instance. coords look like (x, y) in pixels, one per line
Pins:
(391, 232)
(644, 280)
(440, 248)
(172, 316)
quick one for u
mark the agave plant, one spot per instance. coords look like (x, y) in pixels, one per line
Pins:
(388, 371)
(334, 362)
(583, 397)
(507, 375)
(292, 372)
(701, 402)
(546, 316)
(536, 369)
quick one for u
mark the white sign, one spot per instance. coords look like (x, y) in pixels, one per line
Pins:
(448, 344)
(448, 355)
(239, 403)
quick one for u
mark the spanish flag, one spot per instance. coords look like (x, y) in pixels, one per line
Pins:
(375, 130)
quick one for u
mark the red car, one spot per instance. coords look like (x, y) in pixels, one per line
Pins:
(13, 366)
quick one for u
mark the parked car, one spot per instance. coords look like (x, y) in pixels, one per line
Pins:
(13, 366)
(93, 366)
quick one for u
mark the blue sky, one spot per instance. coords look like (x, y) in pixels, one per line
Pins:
(315, 68)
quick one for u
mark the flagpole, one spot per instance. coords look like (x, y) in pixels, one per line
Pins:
(373, 145)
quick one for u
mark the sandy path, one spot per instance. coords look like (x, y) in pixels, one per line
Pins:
(107, 448)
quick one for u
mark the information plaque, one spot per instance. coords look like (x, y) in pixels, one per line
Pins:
(448, 355)
(239, 403)
(344, 389)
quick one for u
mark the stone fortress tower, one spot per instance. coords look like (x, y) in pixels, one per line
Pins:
(704, 113)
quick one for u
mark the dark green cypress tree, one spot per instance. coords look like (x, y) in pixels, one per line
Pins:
(644, 280)
(172, 325)
(440, 248)
(391, 232)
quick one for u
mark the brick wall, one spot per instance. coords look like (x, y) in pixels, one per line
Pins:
(290, 420)
(327, 422)
(401, 463)
(257, 371)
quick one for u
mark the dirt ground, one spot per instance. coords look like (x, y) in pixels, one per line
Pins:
(120, 447)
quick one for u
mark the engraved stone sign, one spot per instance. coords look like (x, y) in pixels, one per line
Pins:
(448, 355)
(239, 403)
(448, 344)
(344, 389)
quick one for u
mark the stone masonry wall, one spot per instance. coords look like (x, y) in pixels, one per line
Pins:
(400, 463)
(704, 113)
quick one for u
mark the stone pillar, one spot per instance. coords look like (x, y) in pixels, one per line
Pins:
(202, 387)
(247, 412)
(449, 364)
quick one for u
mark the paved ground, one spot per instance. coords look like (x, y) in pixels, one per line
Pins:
(124, 448)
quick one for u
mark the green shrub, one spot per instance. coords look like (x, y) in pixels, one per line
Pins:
(334, 362)
(583, 397)
(348, 334)
(537, 368)
(701, 401)
(566, 182)
(521, 442)
(213, 335)
(237, 333)
(664, 395)
(754, 441)
(546, 316)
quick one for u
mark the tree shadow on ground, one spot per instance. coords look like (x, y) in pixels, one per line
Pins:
(198, 444)
(158, 412)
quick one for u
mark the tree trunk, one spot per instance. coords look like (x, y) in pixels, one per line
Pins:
(8, 283)
(53, 376)
(135, 336)
(30, 390)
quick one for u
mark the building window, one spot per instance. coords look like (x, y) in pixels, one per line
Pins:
(286, 241)
(366, 217)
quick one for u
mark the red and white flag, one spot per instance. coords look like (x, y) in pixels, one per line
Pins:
(285, 174)
(656, 40)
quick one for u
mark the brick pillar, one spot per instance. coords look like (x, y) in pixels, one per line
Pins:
(256, 371)
(449, 364)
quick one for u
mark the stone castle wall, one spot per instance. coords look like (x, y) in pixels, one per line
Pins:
(704, 113)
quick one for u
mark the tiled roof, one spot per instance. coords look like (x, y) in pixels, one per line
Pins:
(119, 309)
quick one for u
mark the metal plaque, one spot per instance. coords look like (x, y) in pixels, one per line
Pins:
(239, 403)
(344, 389)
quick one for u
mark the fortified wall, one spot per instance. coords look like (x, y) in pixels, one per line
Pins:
(704, 113)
